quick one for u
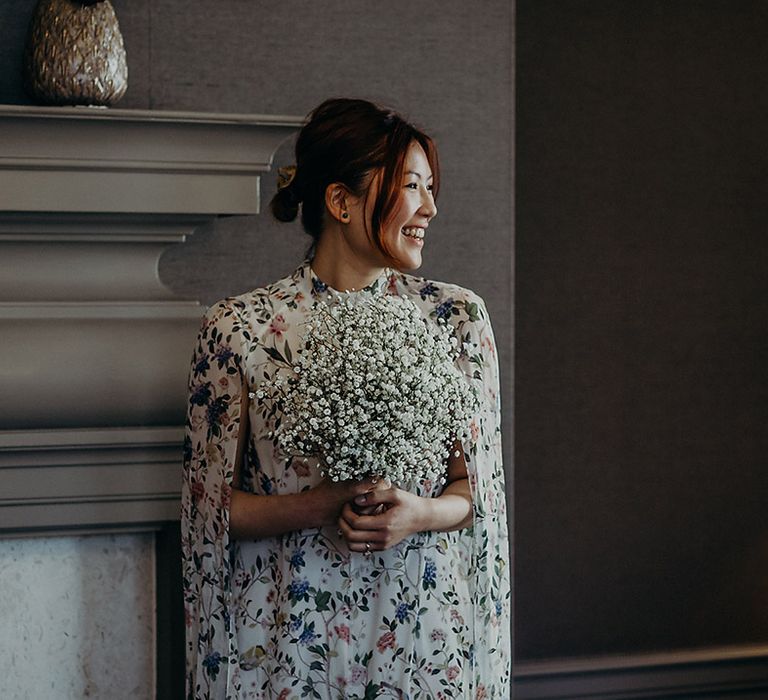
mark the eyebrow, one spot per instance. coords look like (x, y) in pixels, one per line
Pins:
(418, 175)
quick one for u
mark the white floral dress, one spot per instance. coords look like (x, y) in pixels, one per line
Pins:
(299, 616)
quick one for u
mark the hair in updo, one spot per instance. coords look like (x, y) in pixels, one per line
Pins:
(346, 141)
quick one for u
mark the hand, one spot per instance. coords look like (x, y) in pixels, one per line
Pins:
(360, 505)
(330, 496)
(381, 518)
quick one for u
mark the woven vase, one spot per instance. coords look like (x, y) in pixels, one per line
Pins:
(75, 53)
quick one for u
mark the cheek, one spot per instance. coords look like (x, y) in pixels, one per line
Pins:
(401, 215)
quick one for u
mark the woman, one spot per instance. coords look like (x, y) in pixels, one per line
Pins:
(298, 586)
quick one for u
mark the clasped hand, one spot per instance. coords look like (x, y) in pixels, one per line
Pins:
(380, 518)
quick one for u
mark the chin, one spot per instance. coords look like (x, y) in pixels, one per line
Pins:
(407, 262)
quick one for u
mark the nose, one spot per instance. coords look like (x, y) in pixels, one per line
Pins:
(428, 206)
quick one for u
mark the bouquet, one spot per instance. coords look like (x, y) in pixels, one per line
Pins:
(375, 392)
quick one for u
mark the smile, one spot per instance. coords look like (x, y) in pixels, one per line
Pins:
(413, 232)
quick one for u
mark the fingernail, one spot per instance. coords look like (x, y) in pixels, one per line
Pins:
(361, 499)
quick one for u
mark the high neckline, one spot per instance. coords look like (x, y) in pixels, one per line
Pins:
(319, 287)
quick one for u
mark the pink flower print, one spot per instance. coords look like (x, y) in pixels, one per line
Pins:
(474, 430)
(342, 631)
(386, 641)
(223, 382)
(278, 326)
(437, 635)
(284, 693)
(392, 284)
(299, 296)
(197, 421)
(197, 490)
(486, 342)
(452, 673)
(481, 693)
(456, 616)
(226, 495)
(357, 674)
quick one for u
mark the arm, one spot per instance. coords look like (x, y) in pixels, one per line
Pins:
(405, 513)
(253, 516)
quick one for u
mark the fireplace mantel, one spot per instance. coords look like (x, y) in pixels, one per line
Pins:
(94, 348)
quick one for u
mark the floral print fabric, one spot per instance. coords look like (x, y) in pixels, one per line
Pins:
(299, 616)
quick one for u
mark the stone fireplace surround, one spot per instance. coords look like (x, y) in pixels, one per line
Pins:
(94, 348)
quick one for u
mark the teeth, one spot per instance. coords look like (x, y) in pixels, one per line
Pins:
(413, 232)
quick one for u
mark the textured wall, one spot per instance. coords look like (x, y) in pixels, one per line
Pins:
(641, 327)
(77, 617)
(448, 65)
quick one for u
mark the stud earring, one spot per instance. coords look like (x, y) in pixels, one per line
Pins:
(344, 215)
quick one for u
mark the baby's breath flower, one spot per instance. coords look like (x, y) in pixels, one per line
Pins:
(375, 392)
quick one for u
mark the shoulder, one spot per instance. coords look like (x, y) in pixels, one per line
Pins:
(445, 300)
(253, 307)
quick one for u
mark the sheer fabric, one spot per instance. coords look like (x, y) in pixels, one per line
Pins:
(299, 615)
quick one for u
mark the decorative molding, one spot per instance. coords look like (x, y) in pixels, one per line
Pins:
(95, 348)
(85, 257)
(79, 159)
(116, 478)
(95, 364)
(687, 673)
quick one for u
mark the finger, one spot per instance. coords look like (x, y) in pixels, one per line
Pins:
(360, 540)
(377, 497)
(370, 525)
(369, 510)
(370, 484)
(360, 519)
(380, 483)
(376, 526)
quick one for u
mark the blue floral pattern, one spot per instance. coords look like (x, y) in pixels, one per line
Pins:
(299, 616)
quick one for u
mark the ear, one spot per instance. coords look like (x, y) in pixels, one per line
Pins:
(337, 200)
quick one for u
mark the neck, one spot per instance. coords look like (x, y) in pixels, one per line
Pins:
(342, 269)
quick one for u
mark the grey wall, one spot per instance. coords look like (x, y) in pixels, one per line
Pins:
(641, 382)
(448, 65)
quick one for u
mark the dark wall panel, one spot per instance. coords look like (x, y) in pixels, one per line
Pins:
(641, 382)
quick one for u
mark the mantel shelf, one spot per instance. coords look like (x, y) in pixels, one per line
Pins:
(82, 159)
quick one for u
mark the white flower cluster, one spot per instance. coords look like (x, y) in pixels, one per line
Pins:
(376, 392)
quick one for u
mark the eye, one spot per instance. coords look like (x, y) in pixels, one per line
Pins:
(412, 185)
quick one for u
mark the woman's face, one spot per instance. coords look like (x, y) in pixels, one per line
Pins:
(404, 232)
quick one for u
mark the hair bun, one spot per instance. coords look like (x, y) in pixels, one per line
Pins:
(285, 204)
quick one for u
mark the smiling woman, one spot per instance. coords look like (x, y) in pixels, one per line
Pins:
(301, 582)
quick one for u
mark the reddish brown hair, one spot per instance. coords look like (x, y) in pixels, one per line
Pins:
(348, 141)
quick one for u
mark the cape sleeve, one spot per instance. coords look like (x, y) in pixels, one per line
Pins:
(491, 591)
(210, 450)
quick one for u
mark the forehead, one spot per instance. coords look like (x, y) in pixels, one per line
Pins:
(416, 161)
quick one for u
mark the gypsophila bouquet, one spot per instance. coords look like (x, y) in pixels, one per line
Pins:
(375, 392)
